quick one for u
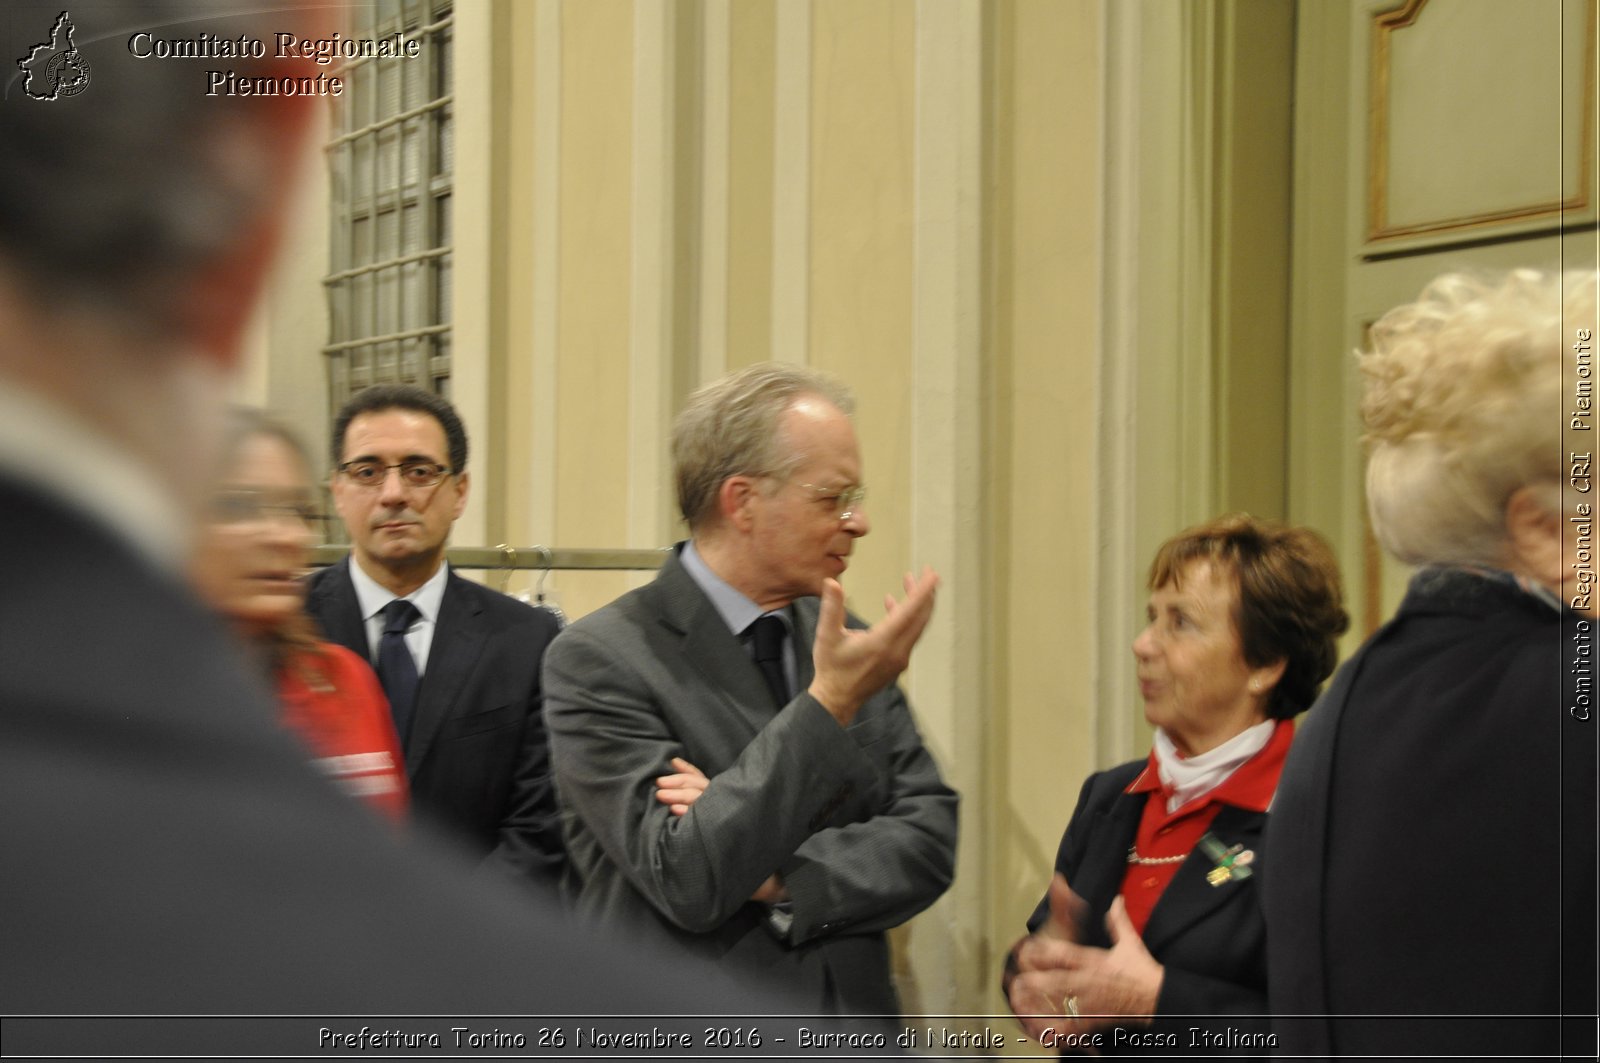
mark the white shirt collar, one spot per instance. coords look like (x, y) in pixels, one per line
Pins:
(373, 596)
(45, 445)
(1188, 778)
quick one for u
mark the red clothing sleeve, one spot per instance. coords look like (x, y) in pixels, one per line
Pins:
(331, 698)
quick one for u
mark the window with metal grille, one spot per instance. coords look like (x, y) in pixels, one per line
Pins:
(390, 161)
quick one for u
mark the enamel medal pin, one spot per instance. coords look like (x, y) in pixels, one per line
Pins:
(1232, 862)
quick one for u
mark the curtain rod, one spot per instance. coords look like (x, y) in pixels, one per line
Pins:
(527, 557)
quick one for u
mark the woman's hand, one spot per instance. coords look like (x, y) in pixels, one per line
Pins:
(1106, 987)
(1067, 910)
(1034, 998)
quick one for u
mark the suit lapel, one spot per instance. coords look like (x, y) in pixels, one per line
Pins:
(333, 602)
(1104, 866)
(458, 640)
(804, 615)
(712, 650)
(1189, 897)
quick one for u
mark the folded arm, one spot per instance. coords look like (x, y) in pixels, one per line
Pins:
(874, 864)
(610, 741)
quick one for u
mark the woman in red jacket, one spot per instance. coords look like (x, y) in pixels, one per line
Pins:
(250, 565)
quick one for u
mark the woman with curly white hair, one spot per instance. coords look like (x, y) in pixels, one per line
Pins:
(1433, 841)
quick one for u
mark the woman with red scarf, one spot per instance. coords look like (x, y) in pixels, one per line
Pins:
(1153, 922)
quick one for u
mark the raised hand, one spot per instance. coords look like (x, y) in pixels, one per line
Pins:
(852, 665)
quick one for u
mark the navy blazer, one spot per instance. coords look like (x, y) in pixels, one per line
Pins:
(477, 756)
(1211, 940)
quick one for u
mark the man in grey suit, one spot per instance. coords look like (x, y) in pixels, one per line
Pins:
(739, 772)
(462, 664)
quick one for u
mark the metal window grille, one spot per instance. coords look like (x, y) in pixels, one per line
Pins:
(390, 160)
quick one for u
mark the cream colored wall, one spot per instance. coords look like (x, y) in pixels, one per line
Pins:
(1043, 380)
(750, 140)
(597, 230)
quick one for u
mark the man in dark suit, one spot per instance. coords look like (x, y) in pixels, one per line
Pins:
(461, 663)
(167, 847)
(740, 774)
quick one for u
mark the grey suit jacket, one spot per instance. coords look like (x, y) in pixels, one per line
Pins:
(857, 820)
(477, 757)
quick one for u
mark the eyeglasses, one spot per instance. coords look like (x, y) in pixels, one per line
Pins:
(412, 473)
(247, 507)
(844, 501)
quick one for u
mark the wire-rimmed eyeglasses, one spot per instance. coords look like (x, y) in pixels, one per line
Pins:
(412, 473)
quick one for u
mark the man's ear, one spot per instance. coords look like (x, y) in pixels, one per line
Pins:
(1533, 536)
(734, 498)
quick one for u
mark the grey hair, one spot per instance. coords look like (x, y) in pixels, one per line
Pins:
(110, 196)
(1463, 405)
(730, 428)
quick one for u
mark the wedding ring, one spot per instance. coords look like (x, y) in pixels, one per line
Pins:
(1069, 1006)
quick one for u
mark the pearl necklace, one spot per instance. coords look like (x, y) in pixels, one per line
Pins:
(1135, 858)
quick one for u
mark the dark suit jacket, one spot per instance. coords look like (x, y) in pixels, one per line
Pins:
(1433, 840)
(1211, 940)
(857, 820)
(168, 849)
(477, 756)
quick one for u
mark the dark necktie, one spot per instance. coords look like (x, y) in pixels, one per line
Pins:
(766, 638)
(397, 671)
